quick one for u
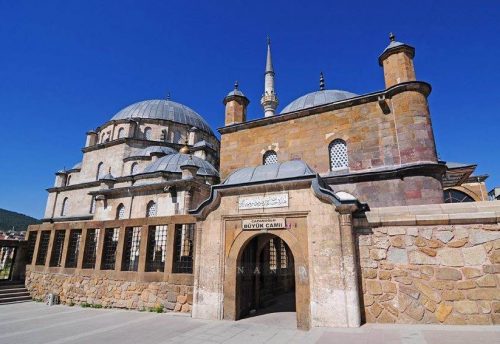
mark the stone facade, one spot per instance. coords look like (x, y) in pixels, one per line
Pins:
(436, 272)
(106, 292)
(377, 142)
(111, 287)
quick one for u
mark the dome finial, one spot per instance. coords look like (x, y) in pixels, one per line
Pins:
(168, 95)
(185, 148)
(268, 40)
(392, 37)
(236, 85)
(321, 81)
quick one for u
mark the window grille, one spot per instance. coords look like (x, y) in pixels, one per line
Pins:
(63, 206)
(270, 157)
(148, 133)
(132, 243)
(338, 154)
(283, 255)
(31, 247)
(151, 209)
(134, 168)
(75, 237)
(57, 248)
(120, 212)
(92, 205)
(272, 255)
(121, 133)
(455, 196)
(156, 248)
(183, 248)
(91, 246)
(109, 248)
(43, 247)
(99, 171)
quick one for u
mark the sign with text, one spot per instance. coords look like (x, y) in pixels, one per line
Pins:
(263, 224)
(272, 200)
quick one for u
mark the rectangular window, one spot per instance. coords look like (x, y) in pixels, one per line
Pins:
(131, 245)
(91, 246)
(57, 248)
(156, 250)
(75, 236)
(43, 247)
(109, 248)
(183, 248)
(31, 247)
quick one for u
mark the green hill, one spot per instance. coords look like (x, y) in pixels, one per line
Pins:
(20, 222)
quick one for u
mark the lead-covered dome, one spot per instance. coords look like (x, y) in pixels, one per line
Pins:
(166, 110)
(173, 162)
(317, 98)
(272, 172)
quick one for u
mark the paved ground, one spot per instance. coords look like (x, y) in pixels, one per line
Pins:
(36, 323)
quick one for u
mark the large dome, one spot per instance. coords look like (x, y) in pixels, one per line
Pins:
(164, 109)
(173, 162)
(317, 98)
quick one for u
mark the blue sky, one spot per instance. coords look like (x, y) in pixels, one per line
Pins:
(68, 66)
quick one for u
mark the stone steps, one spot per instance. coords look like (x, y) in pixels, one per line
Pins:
(13, 292)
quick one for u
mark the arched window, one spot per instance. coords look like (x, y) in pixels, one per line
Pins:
(177, 137)
(68, 180)
(64, 206)
(102, 137)
(270, 157)
(455, 196)
(148, 133)
(121, 133)
(99, 172)
(92, 205)
(338, 154)
(134, 168)
(120, 212)
(151, 209)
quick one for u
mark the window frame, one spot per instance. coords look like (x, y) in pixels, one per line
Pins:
(268, 154)
(331, 161)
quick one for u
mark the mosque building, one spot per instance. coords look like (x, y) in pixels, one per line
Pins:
(337, 209)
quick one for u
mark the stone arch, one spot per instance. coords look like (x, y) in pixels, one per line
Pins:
(302, 299)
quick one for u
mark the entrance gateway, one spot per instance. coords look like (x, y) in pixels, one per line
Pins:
(283, 244)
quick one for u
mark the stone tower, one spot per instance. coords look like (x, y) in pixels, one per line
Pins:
(236, 106)
(397, 61)
(269, 100)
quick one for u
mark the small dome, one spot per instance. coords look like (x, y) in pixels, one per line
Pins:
(263, 173)
(317, 98)
(173, 162)
(166, 110)
(235, 92)
(152, 149)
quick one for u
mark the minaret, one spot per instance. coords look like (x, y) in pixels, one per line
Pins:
(269, 100)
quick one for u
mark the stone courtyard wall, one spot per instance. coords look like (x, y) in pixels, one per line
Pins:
(75, 289)
(431, 264)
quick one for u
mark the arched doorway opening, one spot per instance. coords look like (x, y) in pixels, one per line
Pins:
(265, 277)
